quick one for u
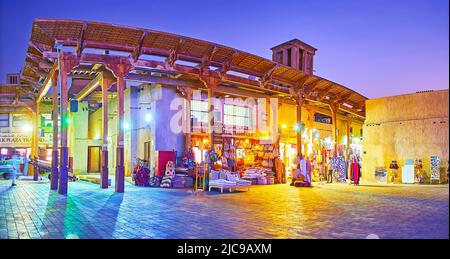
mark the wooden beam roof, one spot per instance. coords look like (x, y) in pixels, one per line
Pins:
(138, 42)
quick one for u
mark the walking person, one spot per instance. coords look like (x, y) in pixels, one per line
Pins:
(15, 167)
(329, 172)
(308, 170)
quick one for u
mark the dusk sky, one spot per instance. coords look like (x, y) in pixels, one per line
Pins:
(376, 47)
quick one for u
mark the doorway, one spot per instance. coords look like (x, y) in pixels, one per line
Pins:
(93, 165)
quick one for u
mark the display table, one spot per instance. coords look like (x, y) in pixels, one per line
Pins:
(229, 187)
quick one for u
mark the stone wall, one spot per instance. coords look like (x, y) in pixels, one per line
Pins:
(411, 126)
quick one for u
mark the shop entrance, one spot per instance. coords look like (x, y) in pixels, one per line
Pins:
(288, 153)
(93, 165)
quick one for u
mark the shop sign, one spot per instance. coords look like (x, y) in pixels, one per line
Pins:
(13, 138)
(17, 138)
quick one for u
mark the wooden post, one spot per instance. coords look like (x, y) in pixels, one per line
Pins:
(311, 112)
(120, 70)
(268, 115)
(35, 141)
(63, 179)
(334, 110)
(210, 83)
(188, 139)
(349, 125)
(120, 173)
(211, 116)
(104, 175)
(54, 172)
(71, 139)
(67, 63)
(299, 100)
(32, 146)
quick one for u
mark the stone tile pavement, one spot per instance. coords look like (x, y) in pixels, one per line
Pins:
(31, 210)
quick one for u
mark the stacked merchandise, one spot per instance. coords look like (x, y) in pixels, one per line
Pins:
(166, 181)
(218, 178)
(154, 181)
(259, 175)
(226, 179)
(182, 181)
(265, 155)
(234, 177)
(339, 168)
(380, 174)
(229, 152)
(252, 174)
(270, 176)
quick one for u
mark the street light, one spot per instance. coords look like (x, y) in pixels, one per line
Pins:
(26, 128)
(126, 126)
(148, 117)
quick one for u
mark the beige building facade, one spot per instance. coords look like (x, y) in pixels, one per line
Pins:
(411, 126)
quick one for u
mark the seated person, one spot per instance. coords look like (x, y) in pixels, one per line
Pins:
(298, 176)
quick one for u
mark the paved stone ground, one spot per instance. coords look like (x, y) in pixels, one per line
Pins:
(31, 210)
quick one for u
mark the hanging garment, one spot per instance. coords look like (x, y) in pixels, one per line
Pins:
(355, 167)
(349, 170)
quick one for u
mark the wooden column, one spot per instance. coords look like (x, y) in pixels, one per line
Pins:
(188, 139)
(67, 63)
(210, 83)
(285, 57)
(71, 139)
(299, 100)
(268, 121)
(104, 174)
(63, 179)
(311, 111)
(349, 125)
(32, 146)
(55, 153)
(334, 110)
(120, 173)
(120, 70)
(211, 88)
(35, 141)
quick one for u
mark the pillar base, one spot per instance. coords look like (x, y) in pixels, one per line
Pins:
(71, 164)
(64, 172)
(54, 174)
(35, 172)
(104, 170)
(120, 179)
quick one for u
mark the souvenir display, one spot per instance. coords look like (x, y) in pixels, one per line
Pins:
(154, 181)
(214, 156)
(419, 174)
(339, 168)
(166, 181)
(393, 167)
(435, 164)
(408, 171)
(141, 173)
(380, 174)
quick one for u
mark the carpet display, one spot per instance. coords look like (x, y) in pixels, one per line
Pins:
(435, 164)
(339, 168)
